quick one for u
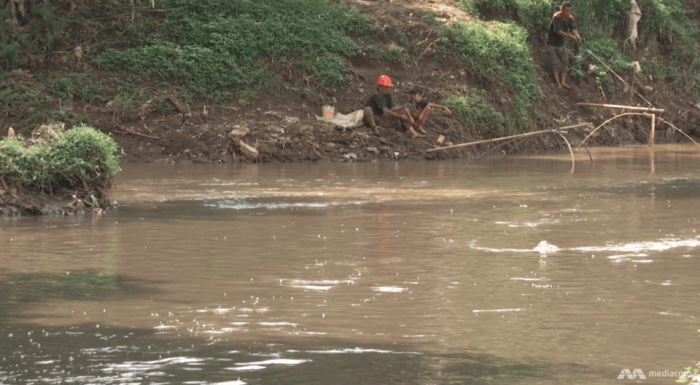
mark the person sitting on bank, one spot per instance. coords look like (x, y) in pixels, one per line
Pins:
(421, 111)
(379, 110)
(563, 25)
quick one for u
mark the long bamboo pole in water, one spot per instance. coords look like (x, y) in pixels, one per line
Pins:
(652, 130)
(461, 145)
(608, 121)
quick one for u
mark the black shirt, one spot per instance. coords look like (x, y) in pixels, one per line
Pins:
(559, 24)
(378, 101)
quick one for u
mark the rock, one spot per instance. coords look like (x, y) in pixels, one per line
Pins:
(11, 134)
(46, 132)
(248, 151)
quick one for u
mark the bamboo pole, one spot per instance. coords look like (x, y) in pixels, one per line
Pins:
(646, 109)
(652, 130)
(573, 161)
(608, 121)
(576, 126)
(679, 130)
(461, 145)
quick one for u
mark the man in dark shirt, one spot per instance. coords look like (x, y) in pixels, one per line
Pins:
(379, 110)
(563, 25)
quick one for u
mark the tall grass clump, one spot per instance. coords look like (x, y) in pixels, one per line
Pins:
(81, 159)
(207, 45)
(498, 55)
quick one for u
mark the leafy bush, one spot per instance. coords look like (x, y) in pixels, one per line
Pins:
(500, 57)
(81, 158)
(80, 86)
(14, 95)
(478, 112)
(607, 50)
(397, 54)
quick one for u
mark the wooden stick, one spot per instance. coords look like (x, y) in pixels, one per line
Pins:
(647, 109)
(652, 131)
(486, 141)
(679, 130)
(136, 133)
(606, 122)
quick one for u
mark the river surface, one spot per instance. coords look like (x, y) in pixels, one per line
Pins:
(500, 271)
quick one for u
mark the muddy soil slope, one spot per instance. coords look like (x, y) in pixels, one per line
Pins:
(284, 128)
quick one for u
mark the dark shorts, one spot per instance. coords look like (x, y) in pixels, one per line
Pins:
(558, 58)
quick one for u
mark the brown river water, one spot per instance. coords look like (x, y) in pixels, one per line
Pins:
(500, 271)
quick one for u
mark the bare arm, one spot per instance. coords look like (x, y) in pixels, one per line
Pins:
(573, 36)
(441, 107)
(391, 112)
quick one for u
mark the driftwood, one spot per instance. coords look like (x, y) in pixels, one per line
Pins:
(248, 151)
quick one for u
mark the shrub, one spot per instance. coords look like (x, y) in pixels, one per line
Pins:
(500, 57)
(478, 112)
(80, 86)
(80, 159)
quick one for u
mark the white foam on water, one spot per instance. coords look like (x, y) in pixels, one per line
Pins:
(527, 279)
(389, 289)
(237, 382)
(276, 361)
(312, 287)
(248, 368)
(317, 282)
(496, 310)
(356, 351)
(278, 324)
(639, 247)
(161, 327)
(635, 248)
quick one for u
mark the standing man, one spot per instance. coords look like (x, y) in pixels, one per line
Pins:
(379, 108)
(563, 25)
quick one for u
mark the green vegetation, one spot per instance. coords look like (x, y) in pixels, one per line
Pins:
(208, 46)
(477, 112)
(80, 159)
(80, 86)
(665, 29)
(498, 55)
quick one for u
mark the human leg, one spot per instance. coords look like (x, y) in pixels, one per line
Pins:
(368, 117)
(563, 57)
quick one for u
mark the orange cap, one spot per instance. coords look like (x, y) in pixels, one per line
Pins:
(385, 81)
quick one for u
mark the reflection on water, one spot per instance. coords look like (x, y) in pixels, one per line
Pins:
(503, 271)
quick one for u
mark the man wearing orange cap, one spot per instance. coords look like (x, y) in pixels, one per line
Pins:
(379, 109)
(563, 25)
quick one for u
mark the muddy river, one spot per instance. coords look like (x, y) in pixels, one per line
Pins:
(500, 271)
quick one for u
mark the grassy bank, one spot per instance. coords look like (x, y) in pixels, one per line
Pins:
(80, 160)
